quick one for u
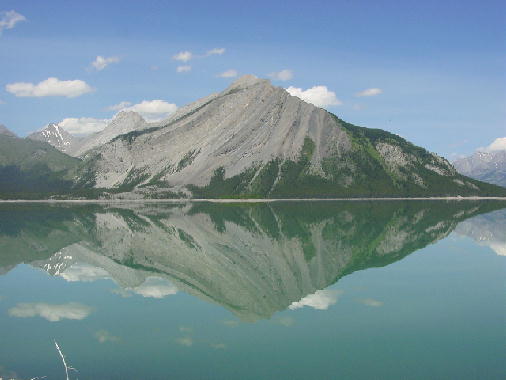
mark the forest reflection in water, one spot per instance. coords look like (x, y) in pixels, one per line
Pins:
(253, 259)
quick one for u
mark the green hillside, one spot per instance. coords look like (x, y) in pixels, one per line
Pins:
(33, 169)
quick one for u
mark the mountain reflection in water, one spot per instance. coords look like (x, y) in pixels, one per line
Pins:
(254, 259)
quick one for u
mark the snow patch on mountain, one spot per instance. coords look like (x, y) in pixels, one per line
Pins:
(55, 135)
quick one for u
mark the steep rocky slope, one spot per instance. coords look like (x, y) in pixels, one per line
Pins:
(484, 166)
(256, 140)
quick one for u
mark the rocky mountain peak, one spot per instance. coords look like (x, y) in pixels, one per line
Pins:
(54, 135)
(127, 116)
(124, 122)
(246, 81)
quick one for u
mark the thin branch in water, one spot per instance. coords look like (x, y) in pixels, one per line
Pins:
(67, 368)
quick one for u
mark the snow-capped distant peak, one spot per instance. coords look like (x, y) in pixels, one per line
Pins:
(488, 166)
(54, 135)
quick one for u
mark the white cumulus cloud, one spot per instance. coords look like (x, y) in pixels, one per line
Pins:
(320, 300)
(49, 87)
(497, 144)
(215, 51)
(83, 125)
(282, 75)
(183, 69)
(150, 110)
(101, 63)
(155, 288)
(370, 92)
(228, 74)
(320, 96)
(183, 56)
(9, 19)
(52, 313)
(153, 110)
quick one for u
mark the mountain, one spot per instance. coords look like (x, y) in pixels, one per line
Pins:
(6, 132)
(58, 137)
(30, 167)
(254, 140)
(55, 136)
(484, 166)
(252, 259)
(123, 122)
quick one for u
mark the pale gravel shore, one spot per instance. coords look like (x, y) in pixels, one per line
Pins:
(260, 200)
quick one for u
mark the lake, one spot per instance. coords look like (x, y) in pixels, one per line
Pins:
(282, 290)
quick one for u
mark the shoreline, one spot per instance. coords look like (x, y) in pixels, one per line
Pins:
(247, 200)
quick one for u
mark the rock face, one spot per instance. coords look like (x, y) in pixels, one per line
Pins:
(56, 136)
(249, 123)
(123, 122)
(253, 259)
(484, 166)
(256, 140)
(6, 132)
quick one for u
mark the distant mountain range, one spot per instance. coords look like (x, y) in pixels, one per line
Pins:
(484, 166)
(252, 140)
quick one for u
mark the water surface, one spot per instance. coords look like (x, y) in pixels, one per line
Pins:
(288, 290)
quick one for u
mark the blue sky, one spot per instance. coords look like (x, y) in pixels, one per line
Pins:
(440, 65)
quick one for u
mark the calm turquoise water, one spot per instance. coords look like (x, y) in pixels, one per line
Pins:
(308, 290)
